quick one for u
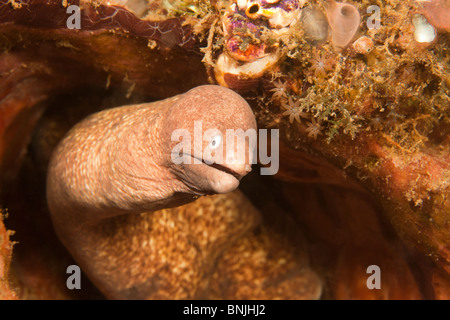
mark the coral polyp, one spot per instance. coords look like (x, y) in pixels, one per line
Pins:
(279, 91)
(314, 129)
(293, 109)
(321, 64)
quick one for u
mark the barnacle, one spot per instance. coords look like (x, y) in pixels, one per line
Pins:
(252, 33)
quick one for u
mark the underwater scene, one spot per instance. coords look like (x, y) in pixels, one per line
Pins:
(225, 149)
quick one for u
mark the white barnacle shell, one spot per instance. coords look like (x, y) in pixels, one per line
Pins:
(235, 75)
(281, 18)
(242, 4)
(278, 13)
(424, 32)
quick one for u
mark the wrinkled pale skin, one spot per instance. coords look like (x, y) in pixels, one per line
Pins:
(118, 162)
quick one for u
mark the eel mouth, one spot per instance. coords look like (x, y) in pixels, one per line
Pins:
(207, 178)
(226, 170)
(223, 168)
(223, 179)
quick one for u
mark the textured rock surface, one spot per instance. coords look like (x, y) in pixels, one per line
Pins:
(6, 291)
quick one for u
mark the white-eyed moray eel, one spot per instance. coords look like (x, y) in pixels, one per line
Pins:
(125, 161)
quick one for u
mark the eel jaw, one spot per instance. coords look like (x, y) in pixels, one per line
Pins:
(211, 178)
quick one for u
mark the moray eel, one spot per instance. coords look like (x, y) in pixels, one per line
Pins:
(119, 163)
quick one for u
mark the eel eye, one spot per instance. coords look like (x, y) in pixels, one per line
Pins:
(215, 141)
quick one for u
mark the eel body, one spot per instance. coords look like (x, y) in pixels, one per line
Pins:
(122, 162)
